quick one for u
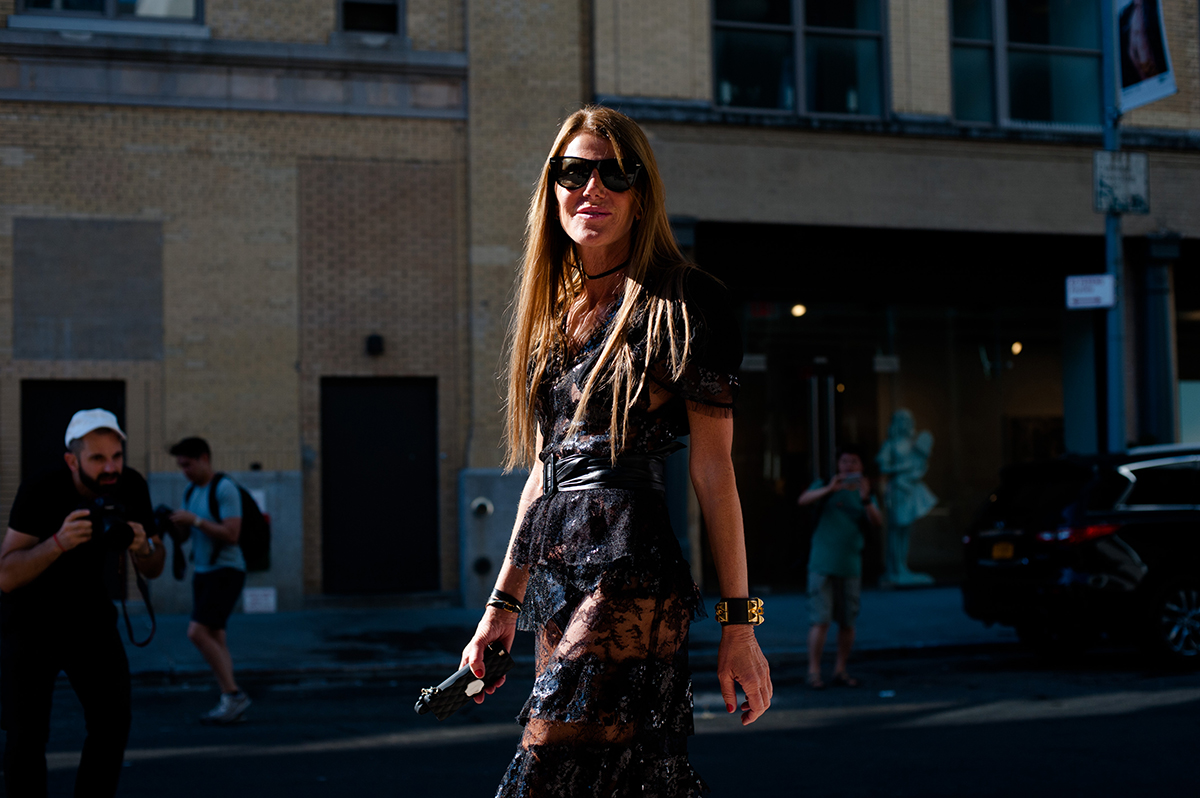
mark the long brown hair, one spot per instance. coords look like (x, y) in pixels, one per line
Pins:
(550, 281)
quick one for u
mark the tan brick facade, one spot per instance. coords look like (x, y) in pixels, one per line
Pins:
(309, 21)
(527, 75)
(287, 237)
(660, 49)
(224, 185)
(870, 181)
(919, 42)
(381, 252)
(436, 25)
(1182, 111)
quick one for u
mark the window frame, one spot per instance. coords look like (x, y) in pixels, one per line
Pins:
(799, 29)
(401, 19)
(1001, 94)
(109, 14)
(1129, 471)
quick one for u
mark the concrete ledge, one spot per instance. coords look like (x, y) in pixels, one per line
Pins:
(646, 109)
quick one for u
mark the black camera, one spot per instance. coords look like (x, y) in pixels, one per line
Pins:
(163, 524)
(109, 525)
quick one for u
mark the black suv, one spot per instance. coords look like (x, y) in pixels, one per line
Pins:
(1068, 550)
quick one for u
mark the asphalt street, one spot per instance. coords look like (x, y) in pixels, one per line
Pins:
(998, 722)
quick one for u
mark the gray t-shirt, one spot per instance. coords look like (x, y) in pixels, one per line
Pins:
(229, 500)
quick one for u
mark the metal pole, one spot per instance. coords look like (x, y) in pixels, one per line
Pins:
(1113, 257)
(831, 425)
(815, 424)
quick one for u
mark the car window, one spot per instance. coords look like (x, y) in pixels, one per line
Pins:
(1170, 484)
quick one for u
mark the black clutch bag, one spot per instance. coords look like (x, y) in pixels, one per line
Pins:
(445, 699)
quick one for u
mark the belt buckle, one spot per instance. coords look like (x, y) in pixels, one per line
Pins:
(549, 485)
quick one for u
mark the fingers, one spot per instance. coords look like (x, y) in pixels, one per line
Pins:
(756, 703)
(75, 515)
(728, 693)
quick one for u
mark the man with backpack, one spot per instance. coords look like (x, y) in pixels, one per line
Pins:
(212, 506)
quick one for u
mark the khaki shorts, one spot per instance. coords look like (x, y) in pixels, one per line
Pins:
(833, 598)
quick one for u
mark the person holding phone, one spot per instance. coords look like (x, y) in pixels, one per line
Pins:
(618, 348)
(835, 561)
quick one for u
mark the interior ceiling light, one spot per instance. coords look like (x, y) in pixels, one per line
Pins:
(1016, 348)
(799, 310)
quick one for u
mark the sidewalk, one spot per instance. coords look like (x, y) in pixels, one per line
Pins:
(379, 641)
(407, 640)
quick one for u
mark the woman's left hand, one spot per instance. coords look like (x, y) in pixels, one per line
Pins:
(740, 660)
(864, 488)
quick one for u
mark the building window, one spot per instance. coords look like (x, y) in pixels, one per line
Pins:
(1027, 61)
(371, 16)
(972, 61)
(815, 56)
(168, 10)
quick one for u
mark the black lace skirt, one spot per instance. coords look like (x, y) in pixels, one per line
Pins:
(610, 599)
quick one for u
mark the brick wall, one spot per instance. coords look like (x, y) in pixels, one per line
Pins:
(276, 21)
(1182, 18)
(432, 24)
(660, 49)
(919, 38)
(889, 182)
(223, 185)
(381, 251)
(527, 74)
(436, 24)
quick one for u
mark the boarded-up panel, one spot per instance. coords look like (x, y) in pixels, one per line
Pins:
(87, 289)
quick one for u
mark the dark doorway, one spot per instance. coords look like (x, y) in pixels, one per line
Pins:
(46, 409)
(379, 484)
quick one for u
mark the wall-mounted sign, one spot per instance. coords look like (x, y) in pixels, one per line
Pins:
(1089, 291)
(1146, 71)
(1120, 182)
(887, 364)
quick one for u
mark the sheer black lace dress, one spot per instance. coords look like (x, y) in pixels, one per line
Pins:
(610, 596)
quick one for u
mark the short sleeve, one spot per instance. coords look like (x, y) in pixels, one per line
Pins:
(26, 515)
(709, 380)
(229, 499)
(137, 500)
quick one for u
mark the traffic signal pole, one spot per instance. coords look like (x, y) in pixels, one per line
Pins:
(1113, 255)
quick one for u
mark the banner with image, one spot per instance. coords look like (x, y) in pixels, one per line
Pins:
(1146, 71)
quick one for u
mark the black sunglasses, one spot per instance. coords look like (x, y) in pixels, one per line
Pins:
(573, 173)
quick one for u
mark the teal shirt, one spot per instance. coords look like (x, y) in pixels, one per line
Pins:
(229, 500)
(837, 542)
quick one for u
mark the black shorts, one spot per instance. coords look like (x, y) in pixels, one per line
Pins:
(213, 595)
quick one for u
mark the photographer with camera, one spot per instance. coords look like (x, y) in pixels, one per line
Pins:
(219, 567)
(843, 508)
(60, 561)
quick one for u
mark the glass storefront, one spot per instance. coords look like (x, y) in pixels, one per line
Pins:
(964, 330)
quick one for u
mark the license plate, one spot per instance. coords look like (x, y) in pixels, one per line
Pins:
(1002, 551)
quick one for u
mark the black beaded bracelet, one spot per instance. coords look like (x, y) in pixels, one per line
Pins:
(740, 611)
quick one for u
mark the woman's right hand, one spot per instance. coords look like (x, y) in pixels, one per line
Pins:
(496, 625)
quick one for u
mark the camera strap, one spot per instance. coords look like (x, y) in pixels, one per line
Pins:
(144, 589)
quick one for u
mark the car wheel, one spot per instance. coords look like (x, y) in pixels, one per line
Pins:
(1176, 622)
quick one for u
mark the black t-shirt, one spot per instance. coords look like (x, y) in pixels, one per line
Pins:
(76, 588)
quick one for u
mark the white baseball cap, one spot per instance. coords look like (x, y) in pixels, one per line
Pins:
(86, 421)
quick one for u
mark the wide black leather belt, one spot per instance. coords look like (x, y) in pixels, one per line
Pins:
(583, 472)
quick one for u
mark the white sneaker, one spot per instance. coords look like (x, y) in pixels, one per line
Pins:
(231, 709)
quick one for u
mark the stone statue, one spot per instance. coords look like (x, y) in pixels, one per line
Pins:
(904, 459)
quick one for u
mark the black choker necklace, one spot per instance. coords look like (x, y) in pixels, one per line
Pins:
(613, 270)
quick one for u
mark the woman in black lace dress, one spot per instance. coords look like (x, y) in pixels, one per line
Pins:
(618, 347)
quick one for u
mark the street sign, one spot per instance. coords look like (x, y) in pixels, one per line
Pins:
(1089, 291)
(1120, 182)
(887, 364)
